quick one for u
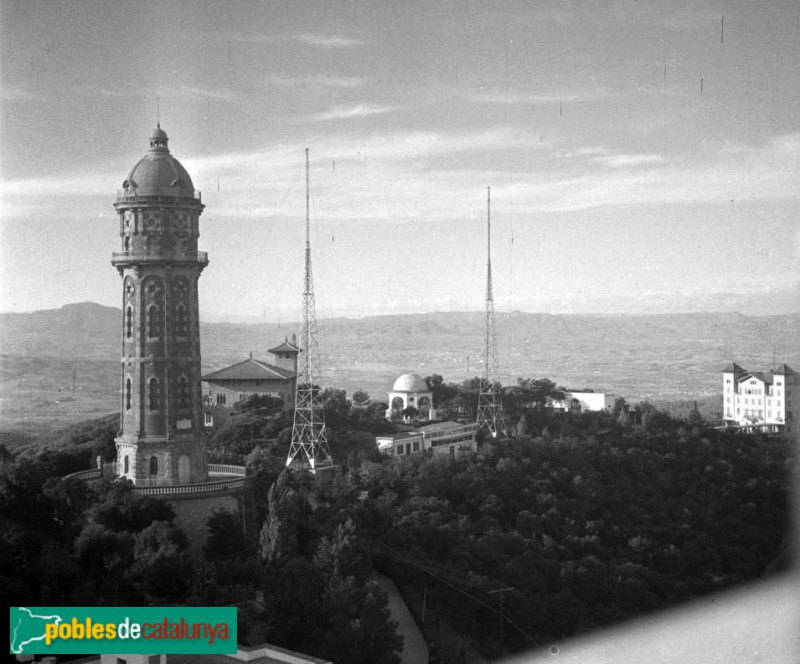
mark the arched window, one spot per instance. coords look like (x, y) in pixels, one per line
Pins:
(128, 390)
(181, 321)
(129, 322)
(125, 465)
(153, 466)
(155, 395)
(183, 392)
(153, 321)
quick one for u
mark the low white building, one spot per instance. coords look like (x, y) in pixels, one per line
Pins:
(586, 401)
(768, 400)
(441, 437)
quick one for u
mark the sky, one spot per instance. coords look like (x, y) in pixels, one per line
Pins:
(643, 156)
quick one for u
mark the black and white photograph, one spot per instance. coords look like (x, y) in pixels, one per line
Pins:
(421, 332)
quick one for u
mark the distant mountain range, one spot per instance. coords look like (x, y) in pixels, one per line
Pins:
(636, 356)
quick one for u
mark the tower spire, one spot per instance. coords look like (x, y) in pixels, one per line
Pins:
(309, 447)
(490, 407)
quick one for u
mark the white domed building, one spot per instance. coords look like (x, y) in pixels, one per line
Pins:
(410, 390)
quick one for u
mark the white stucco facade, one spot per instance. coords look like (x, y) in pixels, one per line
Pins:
(765, 400)
(586, 401)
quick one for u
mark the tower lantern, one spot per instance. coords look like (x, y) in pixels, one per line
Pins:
(161, 439)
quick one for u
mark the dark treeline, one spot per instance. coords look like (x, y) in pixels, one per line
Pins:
(71, 542)
(563, 535)
(575, 521)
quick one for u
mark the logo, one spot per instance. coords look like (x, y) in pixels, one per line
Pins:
(113, 630)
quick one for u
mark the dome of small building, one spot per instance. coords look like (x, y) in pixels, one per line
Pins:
(410, 382)
(158, 172)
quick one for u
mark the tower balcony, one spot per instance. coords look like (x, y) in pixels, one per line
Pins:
(222, 478)
(126, 258)
(160, 195)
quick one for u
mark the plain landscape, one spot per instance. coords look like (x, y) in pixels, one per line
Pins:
(61, 365)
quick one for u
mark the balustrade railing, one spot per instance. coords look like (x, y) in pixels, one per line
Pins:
(159, 256)
(236, 478)
(92, 474)
(134, 195)
(226, 469)
(191, 489)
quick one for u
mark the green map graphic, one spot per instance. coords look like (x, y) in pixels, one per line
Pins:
(28, 628)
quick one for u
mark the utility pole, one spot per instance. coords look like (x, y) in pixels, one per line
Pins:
(500, 594)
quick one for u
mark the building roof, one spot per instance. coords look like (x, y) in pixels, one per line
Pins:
(410, 382)
(261, 654)
(158, 172)
(249, 369)
(285, 347)
(440, 426)
(732, 367)
(783, 370)
(758, 375)
(402, 436)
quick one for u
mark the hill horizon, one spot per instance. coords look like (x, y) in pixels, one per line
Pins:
(243, 319)
(59, 365)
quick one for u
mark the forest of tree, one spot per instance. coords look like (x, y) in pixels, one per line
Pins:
(574, 521)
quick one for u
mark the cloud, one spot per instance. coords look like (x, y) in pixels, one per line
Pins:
(626, 160)
(327, 42)
(320, 80)
(604, 156)
(13, 93)
(441, 176)
(190, 92)
(355, 111)
(768, 172)
(72, 185)
(617, 160)
(589, 151)
(198, 92)
(494, 94)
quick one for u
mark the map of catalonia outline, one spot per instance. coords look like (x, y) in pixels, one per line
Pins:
(17, 648)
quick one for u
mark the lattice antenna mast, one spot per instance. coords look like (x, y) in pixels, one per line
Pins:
(309, 448)
(490, 407)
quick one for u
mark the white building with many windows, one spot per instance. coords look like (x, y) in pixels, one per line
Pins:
(761, 400)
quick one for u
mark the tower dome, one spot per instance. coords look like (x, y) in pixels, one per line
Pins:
(410, 382)
(158, 173)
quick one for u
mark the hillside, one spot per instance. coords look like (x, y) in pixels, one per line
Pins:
(663, 356)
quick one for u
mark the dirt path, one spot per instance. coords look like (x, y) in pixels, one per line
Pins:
(415, 650)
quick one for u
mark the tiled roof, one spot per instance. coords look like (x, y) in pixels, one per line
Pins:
(249, 369)
(732, 367)
(759, 375)
(783, 370)
(440, 426)
(285, 347)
